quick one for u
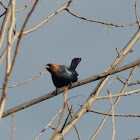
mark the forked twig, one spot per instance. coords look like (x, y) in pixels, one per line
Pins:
(49, 124)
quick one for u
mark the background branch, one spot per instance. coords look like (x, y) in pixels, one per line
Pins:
(96, 21)
(117, 115)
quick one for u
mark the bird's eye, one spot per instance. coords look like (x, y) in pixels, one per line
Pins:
(50, 65)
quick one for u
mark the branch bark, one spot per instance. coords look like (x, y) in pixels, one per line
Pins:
(4, 24)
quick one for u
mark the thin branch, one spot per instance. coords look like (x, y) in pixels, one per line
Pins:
(138, 22)
(119, 94)
(75, 124)
(66, 120)
(52, 127)
(49, 124)
(113, 122)
(64, 106)
(27, 80)
(3, 14)
(5, 7)
(117, 115)
(136, 83)
(26, 6)
(117, 51)
(60, 90)
(105, 23)
(13, 126)
(120, 79)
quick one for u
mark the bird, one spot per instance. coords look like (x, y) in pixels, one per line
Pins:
(63, 75)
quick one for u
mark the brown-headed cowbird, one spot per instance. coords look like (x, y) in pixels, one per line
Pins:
(63, 75)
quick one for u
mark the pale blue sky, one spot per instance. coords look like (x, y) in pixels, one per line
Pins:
(60, 40)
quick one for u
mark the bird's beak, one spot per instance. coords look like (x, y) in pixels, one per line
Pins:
(46, 66)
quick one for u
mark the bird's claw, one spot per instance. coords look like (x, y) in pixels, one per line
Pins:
(56, 91)
(69, 85)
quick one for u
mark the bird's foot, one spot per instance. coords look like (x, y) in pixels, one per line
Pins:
(56, 91)
(69, 85)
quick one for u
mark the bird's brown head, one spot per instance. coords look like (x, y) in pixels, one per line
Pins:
(53, 68)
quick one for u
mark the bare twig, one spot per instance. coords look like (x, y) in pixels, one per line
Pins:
(117, 52)
(136, 83)
(27, 80)
(3, 13)
(13, 126)
(59, 123)
(119, 94)
(75, 124)
(66, 120)
(117, 115)
(52, 127)
(49, 124)
(26, 6)
(138, 22)
(113, 121)
(120, 79)
(5, 7)
(105, 23)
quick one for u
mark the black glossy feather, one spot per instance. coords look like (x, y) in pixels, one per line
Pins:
(63, 75)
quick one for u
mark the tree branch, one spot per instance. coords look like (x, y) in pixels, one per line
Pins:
(76, 84)
(98, 88)
(117, 115)
(105, 23)
(4, 24)
(115, 104)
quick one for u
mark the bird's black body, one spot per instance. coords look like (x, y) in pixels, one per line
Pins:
(63, 75)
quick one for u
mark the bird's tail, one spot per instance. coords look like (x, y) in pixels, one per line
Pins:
(74, 63)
